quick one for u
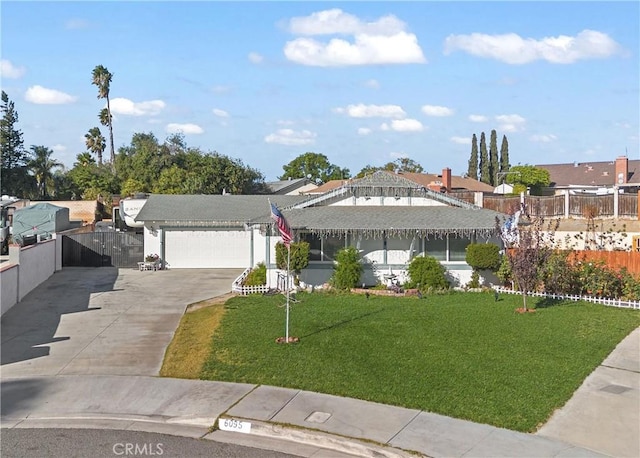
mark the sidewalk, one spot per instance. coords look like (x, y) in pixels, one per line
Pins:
(82, 350)
(191, 407)
(604, 413)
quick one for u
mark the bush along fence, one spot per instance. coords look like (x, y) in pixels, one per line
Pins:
(239, 287)
(571, 297)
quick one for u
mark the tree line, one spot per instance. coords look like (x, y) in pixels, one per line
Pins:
(148, 165)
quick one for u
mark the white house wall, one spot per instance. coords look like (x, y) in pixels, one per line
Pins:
(152, 241)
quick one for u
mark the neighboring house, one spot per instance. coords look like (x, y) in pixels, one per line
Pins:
(291, 187)
(445, 182)
(595, 177)
(390, 219)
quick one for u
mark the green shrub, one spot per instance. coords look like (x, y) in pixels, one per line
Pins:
(483, 256)
(559, 276)
(299, 256)
(475, 280)
(504, 271)
(596, 279)
(257, 276)
(347, 270)
(425, 272)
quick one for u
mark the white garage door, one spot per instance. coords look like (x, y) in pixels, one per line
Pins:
(208, 249)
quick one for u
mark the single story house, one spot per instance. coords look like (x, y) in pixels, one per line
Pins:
(444, 182)
(603, 177)
(387, 217)
(291, 186)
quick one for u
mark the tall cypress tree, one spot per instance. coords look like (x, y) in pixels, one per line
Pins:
(472, 172)
(14, 157)
(485, 166)
(504, 159)
(493, 157)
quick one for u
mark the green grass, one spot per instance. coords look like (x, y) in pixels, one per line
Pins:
(461, 355)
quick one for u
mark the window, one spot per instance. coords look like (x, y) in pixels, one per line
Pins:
(449, 249)
(458, 248)
(315, 246)
(330, 247)
(437, 248)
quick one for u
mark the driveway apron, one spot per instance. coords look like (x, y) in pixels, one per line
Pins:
(102, 321)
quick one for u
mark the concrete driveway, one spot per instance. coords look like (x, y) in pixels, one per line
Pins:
(102, 321)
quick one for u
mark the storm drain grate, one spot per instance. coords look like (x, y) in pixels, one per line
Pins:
(318, 417)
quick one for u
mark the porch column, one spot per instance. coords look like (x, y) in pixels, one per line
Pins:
(616, 200)
(566, 203)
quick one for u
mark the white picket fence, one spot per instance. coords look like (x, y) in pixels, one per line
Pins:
(596, 300)
(237, 286)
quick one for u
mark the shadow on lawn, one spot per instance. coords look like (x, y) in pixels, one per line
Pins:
(343, 322)
(547, 302)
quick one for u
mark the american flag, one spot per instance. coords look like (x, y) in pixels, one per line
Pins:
(283, 227)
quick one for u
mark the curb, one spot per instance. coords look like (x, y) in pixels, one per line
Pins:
(201, 428)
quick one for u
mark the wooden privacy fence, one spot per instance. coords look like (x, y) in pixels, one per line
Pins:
(560, 206)
(613, 259)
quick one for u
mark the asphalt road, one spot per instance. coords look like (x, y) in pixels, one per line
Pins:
(80, 443)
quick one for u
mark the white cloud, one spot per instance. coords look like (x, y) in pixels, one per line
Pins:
(58, 148)
(285, 122)
(511, 123)
(336, 21)
(435, 110)
(255, 58)
(43, 96)
(543, 138)
(372, 84)
(8, 70)
(220, 113)
(513, 49)
(291, 137)
(372, 111)
(478, 118)
(403, 125)
(128, 107)
(364, 131)
(384, 41)
(174, 128)
(461, 140)
(397, 155)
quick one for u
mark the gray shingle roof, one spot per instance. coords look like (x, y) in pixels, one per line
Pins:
(285, 186)
(219, 209)
(590, 173)
(373, 220)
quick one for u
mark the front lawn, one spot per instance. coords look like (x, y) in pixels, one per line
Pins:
(462, 355)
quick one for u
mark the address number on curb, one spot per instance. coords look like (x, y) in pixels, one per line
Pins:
(227, 424)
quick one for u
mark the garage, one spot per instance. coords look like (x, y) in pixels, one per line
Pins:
(210, 248)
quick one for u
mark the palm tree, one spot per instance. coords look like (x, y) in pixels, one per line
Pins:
(84, 160)
(102, 79)
(41, 166)
(95, 142)
(104, 117)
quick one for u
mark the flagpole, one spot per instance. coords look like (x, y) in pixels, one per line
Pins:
(286, 329)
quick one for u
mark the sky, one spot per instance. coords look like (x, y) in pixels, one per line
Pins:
(363, 83)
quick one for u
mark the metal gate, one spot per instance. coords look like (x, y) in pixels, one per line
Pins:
(102, 249)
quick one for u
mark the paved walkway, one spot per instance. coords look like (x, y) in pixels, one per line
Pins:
(84, 349)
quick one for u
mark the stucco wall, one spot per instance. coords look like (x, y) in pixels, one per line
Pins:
(28, 267)
(9, 285)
